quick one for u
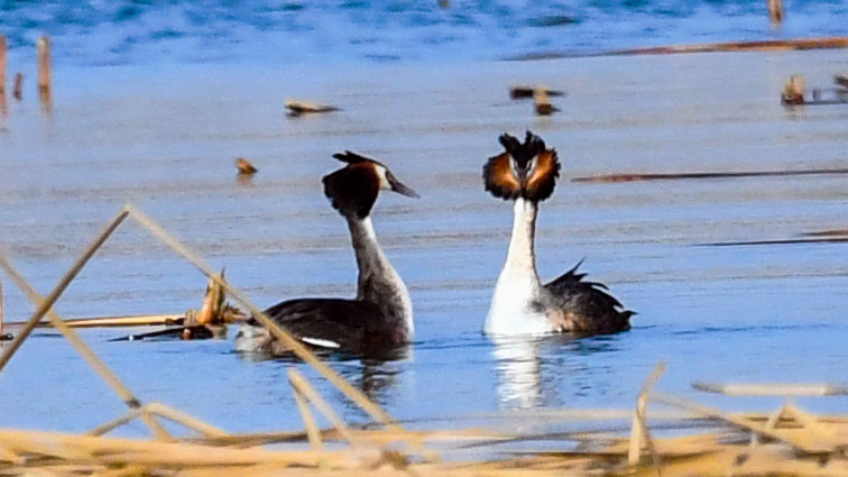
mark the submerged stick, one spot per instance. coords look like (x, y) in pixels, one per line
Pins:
(44, 306)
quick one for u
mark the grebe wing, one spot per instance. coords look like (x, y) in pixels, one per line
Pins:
(588, 306)
(328, 322)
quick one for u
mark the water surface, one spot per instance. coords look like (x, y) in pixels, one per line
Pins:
(166, 139)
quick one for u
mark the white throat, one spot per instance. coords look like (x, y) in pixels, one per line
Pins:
(511, 311)
(378, 281)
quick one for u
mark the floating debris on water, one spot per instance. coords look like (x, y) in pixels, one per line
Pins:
(296, 108)
(542, 103)
(245, 168)
(527, 92)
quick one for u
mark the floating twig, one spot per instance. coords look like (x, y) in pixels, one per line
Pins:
(543, 104)
(527, 92)
(245, 168)
(793, 91)
(296, 107)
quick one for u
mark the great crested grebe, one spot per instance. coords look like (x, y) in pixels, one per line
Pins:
(380, 318)
(527, 173)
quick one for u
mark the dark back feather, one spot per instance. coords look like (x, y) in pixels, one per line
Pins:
(590, 302)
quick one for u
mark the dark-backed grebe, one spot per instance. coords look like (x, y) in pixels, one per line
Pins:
(380, 318)
(526, 174)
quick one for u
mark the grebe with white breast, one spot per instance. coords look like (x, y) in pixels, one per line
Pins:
(380, 317)
(526, 174)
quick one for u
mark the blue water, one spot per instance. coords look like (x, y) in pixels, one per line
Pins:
(132, 31)
(165, 138)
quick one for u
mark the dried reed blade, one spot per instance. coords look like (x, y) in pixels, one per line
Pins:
(44, 306)
(312, 431)
(302, 387)
(179, 417)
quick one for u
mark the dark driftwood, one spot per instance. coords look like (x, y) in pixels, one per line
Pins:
(614, 178)
(527, 92)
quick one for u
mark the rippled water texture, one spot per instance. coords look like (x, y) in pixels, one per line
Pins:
(166, 139)
(132, 32)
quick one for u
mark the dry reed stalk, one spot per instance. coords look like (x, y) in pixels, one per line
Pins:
(312, 431)
(110, 426)
(202, 428)
(45, 73)
(800, 440)
(302, 386)
(115, 321)
(44, 306)
(639, 435)
(3, 65)
(780, 389)
(99, 450)
(297, 348)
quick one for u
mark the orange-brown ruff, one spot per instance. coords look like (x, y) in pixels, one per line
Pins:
(527, 173)
(379, 319)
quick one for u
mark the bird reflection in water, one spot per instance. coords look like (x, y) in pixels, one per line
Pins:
(529, 369)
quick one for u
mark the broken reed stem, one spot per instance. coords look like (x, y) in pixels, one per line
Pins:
(302, 386)
(299, 350)
(202, 428)
(110, 426)
(313, 433)
(3, 65)
(44, 306)
(639, 434)
(45, 73)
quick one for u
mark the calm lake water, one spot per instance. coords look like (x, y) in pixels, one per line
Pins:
(166, 138)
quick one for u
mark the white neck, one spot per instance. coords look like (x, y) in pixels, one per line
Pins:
(378, 281)
(518, 285)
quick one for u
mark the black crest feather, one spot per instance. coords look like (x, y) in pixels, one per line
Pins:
(534, 182)
(353, 189)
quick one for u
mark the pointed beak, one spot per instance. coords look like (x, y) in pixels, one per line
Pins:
(400, 187)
